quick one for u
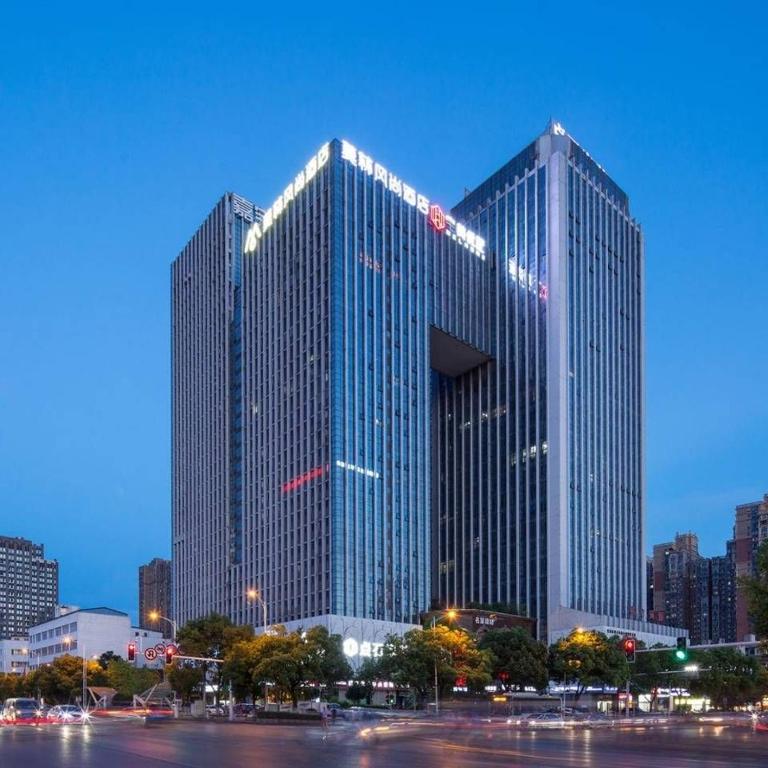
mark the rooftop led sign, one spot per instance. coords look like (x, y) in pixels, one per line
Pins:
(438, 219)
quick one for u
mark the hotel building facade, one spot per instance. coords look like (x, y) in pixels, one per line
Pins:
(381, 404)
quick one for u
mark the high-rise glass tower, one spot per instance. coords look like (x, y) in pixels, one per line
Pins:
(409, 404)
(540, 498)
(207, 462)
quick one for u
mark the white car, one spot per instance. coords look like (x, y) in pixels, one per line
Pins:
(66, 713)
(546, 720)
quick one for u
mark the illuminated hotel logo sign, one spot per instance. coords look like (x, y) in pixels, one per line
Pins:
(271, 215)
(437, 217)
(434, 213)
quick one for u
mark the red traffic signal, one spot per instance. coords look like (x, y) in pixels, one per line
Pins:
(170, 651)
(630, 646)
(131, 651)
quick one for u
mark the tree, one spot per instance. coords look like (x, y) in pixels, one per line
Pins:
(184, 680)
(368, 674)
(730, 678)
(654, 670)
(518, 660)
(241, 660)
(12, 686)
(410, 660)
(756, 588)
(324, 661)
(59, 682)
(128, 680)
(289, 661)
(106, 657)
(281, 660)
(587, 658)
(211, 637)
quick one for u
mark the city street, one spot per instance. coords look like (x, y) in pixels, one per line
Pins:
(427, 745)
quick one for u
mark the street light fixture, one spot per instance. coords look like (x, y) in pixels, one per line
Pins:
(254, 596)
(450, 614)
(155, 615)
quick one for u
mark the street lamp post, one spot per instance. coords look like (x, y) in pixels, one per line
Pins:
(254, 596)
(155, 616)
(450, 614)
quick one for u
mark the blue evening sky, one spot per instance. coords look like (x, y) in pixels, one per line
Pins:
(120, 128)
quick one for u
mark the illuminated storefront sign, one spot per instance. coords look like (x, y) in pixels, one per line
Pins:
(271, 215)
(354, 648)
(440, 220)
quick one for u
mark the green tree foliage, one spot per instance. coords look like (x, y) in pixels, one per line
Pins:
(289, 661)
(129, 680)
(368, 674)
(653, 670)
(756, 588)
(241, 660)
(587, 658)
(185, 680)
(518, 660)
(410, 661)
(106, 657)
(12, 686)
(61, 682)
(211, 637)
(730, 678)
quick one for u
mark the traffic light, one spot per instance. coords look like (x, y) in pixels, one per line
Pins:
(681, 652)
(630, 646)
(170, 651)
(131, 651)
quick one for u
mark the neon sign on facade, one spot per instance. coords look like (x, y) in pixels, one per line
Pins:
(440, 220)
(272, 214)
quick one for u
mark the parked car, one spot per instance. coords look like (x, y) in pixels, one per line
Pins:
(66, 713)
(21, 711)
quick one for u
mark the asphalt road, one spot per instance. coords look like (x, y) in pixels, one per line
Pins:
(447, 745)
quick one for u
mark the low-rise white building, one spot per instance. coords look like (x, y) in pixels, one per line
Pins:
(88, 632)
(14, 656)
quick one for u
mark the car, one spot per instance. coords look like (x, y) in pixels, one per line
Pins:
(21, 711)
(545, 720)
(66, 713)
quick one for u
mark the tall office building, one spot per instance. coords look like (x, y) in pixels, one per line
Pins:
(155, 592)
(206, 306)
(541, 447)
(431, 405)
(29, 586)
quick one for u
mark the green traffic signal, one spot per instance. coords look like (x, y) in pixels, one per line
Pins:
(681, 655)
